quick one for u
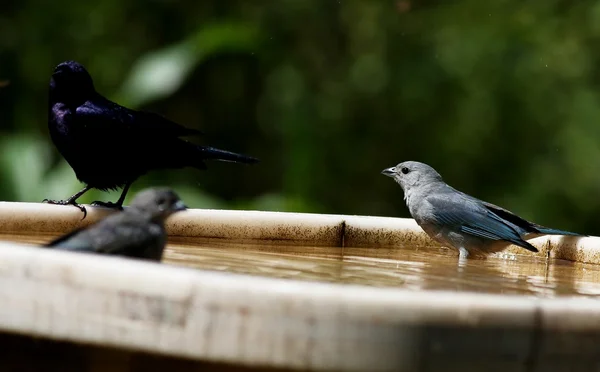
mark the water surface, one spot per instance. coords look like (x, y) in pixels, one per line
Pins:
(416, 269)
(412, 268)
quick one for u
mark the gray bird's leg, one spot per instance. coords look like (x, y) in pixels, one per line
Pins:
(71, 201)
(462, 264)
(118, 204)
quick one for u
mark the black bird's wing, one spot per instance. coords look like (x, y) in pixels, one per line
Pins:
(469, 216)
(159, 124)
(140, 141)
(103, 116)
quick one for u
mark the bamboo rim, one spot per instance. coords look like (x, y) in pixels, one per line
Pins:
(243, 319)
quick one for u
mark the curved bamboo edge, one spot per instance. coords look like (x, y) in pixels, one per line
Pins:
(250, 320)
(280, 228)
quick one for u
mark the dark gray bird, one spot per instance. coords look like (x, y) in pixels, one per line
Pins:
(110, 146)
(138, 231)
(456, 219)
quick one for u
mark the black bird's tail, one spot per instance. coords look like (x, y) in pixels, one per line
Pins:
(211, 153)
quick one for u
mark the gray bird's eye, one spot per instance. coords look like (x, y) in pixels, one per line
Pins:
(404, 170)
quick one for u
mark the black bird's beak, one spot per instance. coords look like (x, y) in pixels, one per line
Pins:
(179, 206)
(390, 172)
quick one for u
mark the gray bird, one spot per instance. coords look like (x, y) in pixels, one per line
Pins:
(137, 232)
(455, 219)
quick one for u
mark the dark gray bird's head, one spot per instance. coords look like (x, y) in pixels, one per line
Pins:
(159, 203)
(411, 174)
(71, 83)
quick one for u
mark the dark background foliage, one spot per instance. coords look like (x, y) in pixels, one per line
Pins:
(501, 97)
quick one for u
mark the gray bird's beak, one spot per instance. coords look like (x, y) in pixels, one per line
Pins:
(179, 206)
(390, 172)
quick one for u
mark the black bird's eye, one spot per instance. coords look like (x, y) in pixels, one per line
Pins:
(404, 170)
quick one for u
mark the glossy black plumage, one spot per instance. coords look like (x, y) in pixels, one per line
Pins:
(110, 146)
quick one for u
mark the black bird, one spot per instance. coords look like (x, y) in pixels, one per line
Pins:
(109, 146)
(137, 232)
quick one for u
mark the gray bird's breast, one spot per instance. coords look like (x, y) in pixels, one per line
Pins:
(154, 250)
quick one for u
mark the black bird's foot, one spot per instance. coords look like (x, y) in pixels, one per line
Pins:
(110, 205)
(67, 202)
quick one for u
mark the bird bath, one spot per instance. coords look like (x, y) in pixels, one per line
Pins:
(294, 291)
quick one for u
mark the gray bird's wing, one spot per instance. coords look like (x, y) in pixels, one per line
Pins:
(470, 216)
(121, 235)
(526, 226)
(507, 215)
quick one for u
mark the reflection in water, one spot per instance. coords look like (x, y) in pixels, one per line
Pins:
(406, 268)
(410, 268)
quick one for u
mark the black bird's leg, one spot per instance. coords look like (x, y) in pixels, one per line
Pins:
(118, 204)
(71, 201)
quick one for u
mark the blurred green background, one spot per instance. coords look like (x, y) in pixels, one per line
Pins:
(501, 97)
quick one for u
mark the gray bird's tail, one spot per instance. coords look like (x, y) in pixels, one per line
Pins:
(546, 230)
(211, 153)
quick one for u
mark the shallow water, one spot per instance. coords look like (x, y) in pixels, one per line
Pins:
(410, 268)
(433, 269)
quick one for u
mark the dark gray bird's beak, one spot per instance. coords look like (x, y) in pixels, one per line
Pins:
(390, 172)
(179, 206)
